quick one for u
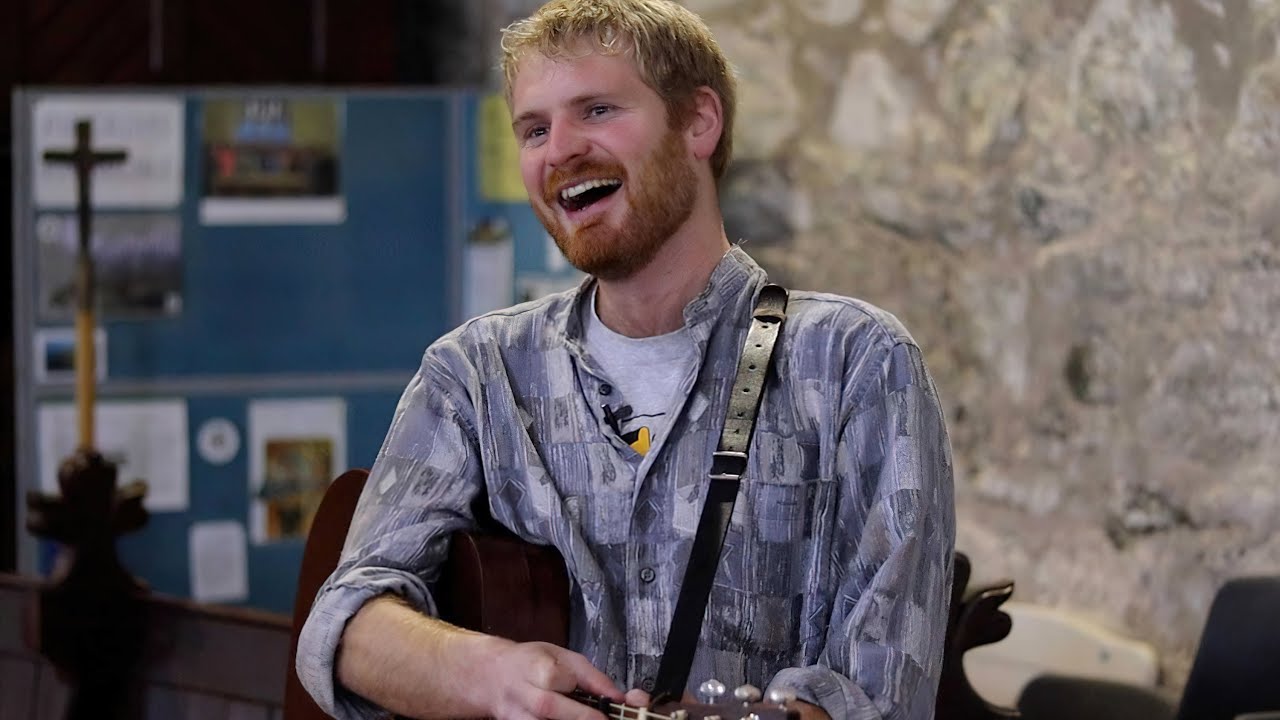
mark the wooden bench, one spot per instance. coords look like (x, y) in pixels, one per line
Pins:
(201, 662)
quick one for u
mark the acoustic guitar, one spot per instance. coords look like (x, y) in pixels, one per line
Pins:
(500, 585)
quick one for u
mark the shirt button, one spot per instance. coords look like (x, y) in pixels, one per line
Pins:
(647, 684)
(648, 575)
(606, 389)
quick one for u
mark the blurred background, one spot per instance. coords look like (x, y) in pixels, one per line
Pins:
(1072, 204)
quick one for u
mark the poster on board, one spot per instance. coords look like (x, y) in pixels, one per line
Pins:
(149, 128)
(296, 447)
(55, 356)
(218, 561)
(137, 259)
(146, 439)
(272, 161)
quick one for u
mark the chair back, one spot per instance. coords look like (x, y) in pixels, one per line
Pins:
(319, 559)
(974, 619)
(1236, 669)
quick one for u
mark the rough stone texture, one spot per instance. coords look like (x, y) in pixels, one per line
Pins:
(1075, 207)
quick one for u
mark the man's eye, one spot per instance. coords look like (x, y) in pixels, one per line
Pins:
(598, 110)
(535, 132)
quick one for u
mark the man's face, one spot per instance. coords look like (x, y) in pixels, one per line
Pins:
(606, 175)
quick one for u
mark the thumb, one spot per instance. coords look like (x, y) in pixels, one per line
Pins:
(637, 698)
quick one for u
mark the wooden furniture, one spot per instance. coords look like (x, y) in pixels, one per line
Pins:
(974, 619)
(319, 558)
(198, 661)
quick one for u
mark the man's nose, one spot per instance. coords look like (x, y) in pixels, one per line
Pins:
(566, 143)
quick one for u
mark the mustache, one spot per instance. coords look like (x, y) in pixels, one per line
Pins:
(581, 170)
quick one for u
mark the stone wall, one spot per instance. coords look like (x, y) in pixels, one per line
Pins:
(1074, 206)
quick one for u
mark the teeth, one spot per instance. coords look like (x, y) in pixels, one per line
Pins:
(576, 190)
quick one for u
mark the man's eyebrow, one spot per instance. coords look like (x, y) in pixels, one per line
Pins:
(523, 117)
(577, 101)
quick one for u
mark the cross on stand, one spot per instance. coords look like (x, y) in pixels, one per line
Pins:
(84, 159)
(91, 622)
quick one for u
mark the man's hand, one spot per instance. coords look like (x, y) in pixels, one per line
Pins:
(418, 666)
(530, 680)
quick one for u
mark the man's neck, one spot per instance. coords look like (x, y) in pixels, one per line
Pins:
(652, 301)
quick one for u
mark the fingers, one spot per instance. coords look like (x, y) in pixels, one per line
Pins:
(637, 698)
(586, 676)
(535, 679)
(554, 706)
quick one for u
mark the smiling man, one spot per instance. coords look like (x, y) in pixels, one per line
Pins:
(586, 421)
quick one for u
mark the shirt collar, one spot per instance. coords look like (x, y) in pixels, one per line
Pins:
(736, 273)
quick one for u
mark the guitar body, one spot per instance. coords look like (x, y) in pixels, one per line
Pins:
(501, 585)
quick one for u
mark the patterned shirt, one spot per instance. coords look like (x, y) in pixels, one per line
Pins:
(836, 571)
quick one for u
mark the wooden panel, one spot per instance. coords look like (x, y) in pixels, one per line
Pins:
(172, 704)
(163, 702)
(360, 41)
(248, 711)
(166, 703)
(51, 695)
(219, 650)
(202, 662)
(85, 41)
(239, 41)
(15, 594)
(17, 687)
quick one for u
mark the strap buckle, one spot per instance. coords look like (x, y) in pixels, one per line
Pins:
(771, 306)
(728, 464)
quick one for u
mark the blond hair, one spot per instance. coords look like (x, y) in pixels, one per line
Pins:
(672, 48)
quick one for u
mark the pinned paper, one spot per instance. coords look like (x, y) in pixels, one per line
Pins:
(500, 179)
(296, 447)
(219, 562)
(56, 351)
(489, 267)
(149, 128)
(147, 440)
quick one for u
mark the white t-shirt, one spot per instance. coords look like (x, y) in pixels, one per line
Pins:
(646, 374)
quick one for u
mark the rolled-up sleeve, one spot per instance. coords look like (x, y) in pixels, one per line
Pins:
(893, 552)
(419, 491)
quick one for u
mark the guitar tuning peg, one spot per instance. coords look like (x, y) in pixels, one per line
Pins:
(782, 696)
(679, 715)
(712, 690)
(747, 693)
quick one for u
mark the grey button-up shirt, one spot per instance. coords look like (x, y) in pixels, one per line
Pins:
(836, 572)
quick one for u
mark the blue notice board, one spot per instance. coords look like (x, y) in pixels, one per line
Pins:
(316, 243)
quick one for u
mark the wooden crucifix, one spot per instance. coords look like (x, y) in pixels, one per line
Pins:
(84, 159)
(91, 619)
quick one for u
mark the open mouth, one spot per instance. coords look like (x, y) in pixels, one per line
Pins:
(587, 193)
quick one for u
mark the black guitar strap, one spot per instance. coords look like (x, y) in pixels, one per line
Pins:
(727, 465)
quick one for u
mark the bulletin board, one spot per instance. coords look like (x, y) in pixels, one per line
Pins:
(271, 266)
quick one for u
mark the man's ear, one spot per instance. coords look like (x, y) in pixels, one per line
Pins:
(706, 123)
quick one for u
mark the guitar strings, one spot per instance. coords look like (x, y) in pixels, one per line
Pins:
(618, 711)
(640, 713)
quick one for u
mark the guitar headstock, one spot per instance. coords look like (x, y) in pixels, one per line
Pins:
(745, 705)
(725, 711)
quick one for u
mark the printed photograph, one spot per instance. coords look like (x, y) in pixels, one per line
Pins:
(297, 472)
(56, 355)
(271, 160)
(137, 261)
